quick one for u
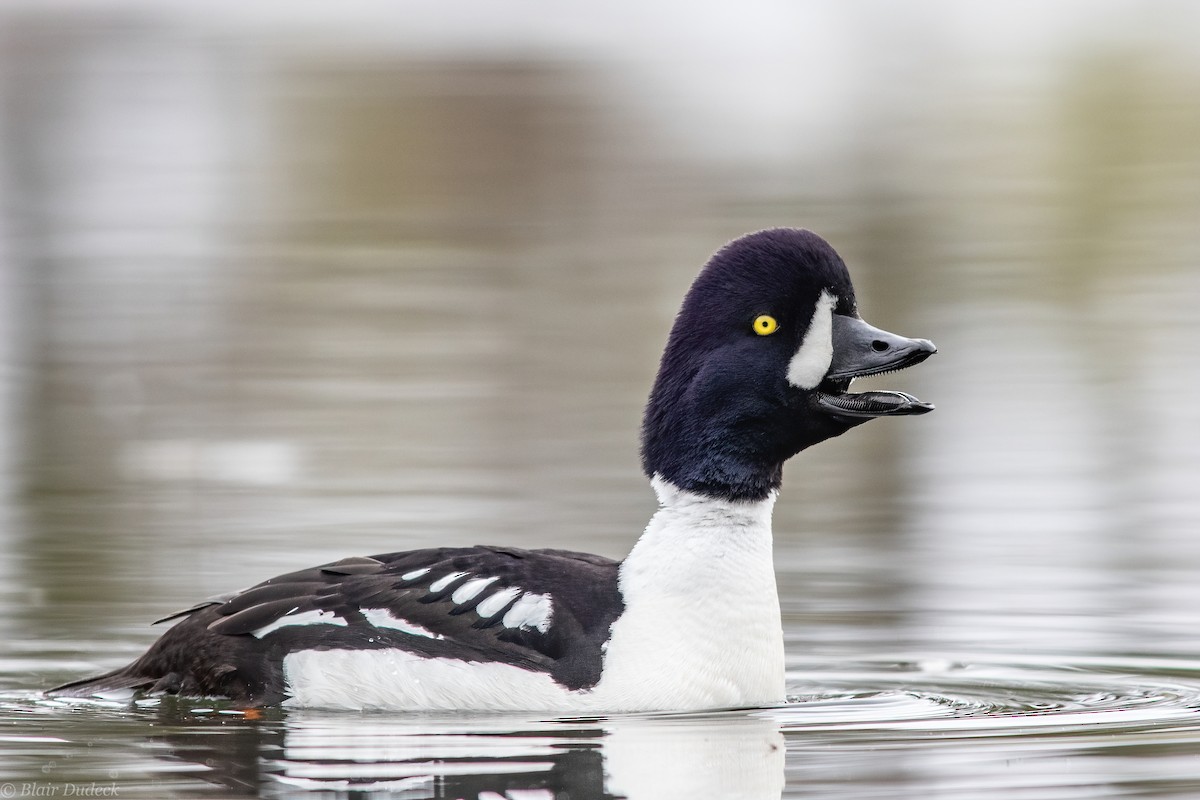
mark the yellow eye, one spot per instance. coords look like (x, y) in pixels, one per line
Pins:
(765, 325)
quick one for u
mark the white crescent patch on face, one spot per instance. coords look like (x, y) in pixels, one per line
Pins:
(808, 367)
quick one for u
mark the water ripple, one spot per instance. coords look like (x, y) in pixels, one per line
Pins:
(993, 697)
(956, 723)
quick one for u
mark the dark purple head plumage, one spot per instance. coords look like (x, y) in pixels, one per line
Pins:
(723, 417)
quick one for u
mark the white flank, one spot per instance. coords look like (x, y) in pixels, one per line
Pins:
(701, 629)
(446, 580)
(416, 573)
(470, 589)
(492, 605)
(808, 367)
(401, 681)
(531, 611)
(383, 618)
(316, 616)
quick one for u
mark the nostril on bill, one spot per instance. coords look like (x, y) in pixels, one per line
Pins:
(879, 345)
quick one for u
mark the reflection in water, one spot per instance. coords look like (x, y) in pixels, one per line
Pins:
(730, 755)
(694, 756)
(622, 757)
(428, 759)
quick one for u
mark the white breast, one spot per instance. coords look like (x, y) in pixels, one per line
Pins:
(701, 627)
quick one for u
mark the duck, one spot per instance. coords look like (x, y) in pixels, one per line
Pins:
(757, 368)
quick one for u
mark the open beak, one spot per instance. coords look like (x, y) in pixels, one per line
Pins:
(860, 349)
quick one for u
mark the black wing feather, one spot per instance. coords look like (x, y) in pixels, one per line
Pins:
(214, 649)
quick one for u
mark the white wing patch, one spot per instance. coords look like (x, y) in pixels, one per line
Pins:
(382, 618)
(492, 606)
(470, 589)
(416, 573)
(531, 611)
(808, 367)
(446, 580)
(316, 616)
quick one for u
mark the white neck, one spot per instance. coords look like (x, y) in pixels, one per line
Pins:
(701, 627)
(692, 536)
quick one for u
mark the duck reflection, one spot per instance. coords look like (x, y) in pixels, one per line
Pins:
(720, 755)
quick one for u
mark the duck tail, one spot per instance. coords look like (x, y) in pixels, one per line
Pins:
(118, 682)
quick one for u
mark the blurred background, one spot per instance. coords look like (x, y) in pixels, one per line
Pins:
(283, 282)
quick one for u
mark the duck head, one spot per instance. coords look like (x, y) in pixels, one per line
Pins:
(759, 363)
